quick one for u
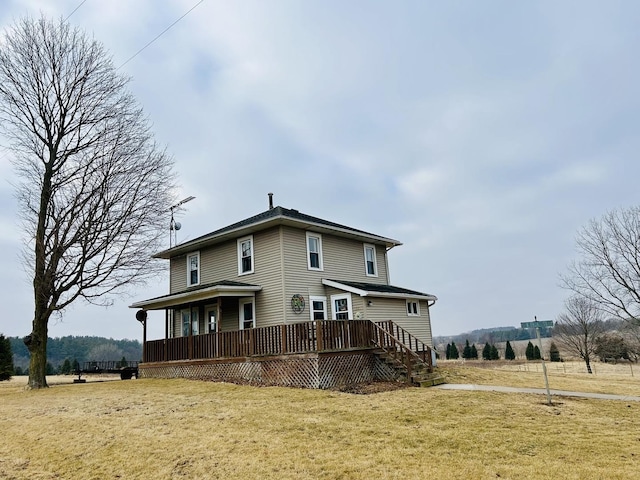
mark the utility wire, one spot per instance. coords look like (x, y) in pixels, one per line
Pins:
(161, 33)
(74, 10)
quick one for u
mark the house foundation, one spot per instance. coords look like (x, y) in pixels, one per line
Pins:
(309, 370)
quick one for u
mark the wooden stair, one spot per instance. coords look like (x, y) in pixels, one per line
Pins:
(421, 374)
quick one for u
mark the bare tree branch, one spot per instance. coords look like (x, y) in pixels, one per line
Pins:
(93, 187)
(580, 327)
(608, 270)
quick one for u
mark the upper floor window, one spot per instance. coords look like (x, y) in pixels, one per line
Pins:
(245, 255)
(314, 251)
(370, 263)
(413, 308)
(193, 269)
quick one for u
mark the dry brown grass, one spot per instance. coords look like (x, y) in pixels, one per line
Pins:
(614, 379)
(164, 429)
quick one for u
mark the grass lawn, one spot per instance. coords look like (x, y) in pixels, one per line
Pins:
(165, 429)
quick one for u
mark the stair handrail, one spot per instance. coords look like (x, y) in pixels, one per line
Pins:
(406, 352)
(420, 346)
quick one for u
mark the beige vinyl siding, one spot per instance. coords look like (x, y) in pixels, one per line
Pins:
(221, 263)
(230, 314)
(178, 274)
(343, 259)
(396, 310)
(298, 279)
(268, 274)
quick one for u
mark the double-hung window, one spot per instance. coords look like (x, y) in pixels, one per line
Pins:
(413, 308)
(245, 255)
(370, 263)
(193, 269)
(314, 251)
(318, 308)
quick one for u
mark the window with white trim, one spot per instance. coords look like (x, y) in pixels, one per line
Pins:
(370, 262)
(245, 255)
(341, 307)
(247, 313)
(314, 251)
(413, 308)
(318, 308)
(193, 269)
(190, 322)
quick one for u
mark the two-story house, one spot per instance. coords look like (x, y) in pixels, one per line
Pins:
(277, 284)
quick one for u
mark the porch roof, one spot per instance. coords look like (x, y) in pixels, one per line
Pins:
(224, 288)
(377, 290)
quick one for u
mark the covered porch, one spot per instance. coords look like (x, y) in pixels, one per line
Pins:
(305, 337)
(314, 354)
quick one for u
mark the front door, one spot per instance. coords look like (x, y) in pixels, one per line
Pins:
(212, 323)
(341, 307)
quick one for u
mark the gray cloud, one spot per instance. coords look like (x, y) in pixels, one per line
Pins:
(481, 134)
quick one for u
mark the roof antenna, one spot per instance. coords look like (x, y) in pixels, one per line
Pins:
(173, 225)
(270, 200)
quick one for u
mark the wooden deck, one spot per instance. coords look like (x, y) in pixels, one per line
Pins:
(305, 337)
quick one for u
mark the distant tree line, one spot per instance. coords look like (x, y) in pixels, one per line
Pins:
(494, 335)
(491, 352)
(65, 353)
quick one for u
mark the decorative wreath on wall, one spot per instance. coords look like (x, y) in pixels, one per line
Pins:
(297, 303)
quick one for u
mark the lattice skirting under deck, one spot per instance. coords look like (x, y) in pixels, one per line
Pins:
(306, 371)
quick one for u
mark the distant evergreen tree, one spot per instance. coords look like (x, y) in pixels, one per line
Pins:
(493, 353)
(554, 353)
(65, 369)
(509, 354)
(50, 370)
(474, 352)
(529, 352)
(486, 352)
(454, 354)
(123, 362)
(466, 351)
(6, 359)
(536, 353)
(448, 353)
(18, 371)
(75, 366)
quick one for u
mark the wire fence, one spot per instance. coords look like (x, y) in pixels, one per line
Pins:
(597, 368)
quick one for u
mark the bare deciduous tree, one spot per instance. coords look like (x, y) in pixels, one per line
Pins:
(93, 187)
(608, 271)
(579, 328)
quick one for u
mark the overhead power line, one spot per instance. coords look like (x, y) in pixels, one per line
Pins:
(74, 10)
(161, 33)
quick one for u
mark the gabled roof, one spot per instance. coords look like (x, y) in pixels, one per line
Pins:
(273, 217)
(377, 290)
(224, 288)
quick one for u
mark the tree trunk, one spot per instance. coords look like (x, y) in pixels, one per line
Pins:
(36, 342)
(42, 289)
(588, 362)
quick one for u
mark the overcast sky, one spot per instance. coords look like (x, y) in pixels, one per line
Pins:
(482, 135)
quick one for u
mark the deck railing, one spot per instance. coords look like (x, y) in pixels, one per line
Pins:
(414, 345)
(402, 346)
(305, 337)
